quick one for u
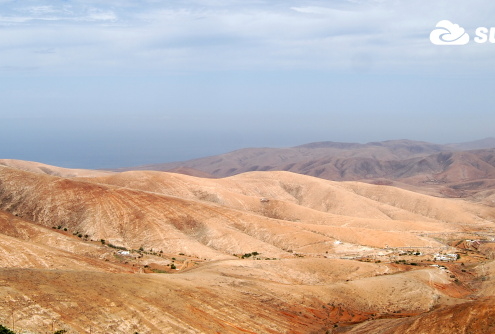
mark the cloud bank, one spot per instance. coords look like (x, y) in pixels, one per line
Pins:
(219, 35)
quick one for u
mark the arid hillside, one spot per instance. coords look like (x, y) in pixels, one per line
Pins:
(259, 252)
(263, 159)
(456, 170)
(37, 167)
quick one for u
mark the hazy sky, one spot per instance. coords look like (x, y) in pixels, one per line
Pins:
(97, 84)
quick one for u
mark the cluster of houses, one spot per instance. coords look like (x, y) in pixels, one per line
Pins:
(445, 257)
(124, 252)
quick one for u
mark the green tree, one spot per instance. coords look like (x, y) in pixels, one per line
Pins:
(5, 330)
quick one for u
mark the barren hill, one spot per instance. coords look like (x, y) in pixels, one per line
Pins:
(37, 167)
(24, 244)
(442, 170)
(262, 159)
(259, 252)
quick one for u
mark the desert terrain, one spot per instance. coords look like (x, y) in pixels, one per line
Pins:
(463, 170)
(256, 252)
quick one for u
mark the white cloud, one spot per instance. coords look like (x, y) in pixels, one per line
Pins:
(316, 10)
(41, 10)
(95, 14)
(336, 35)
(7, 20)
(50, 13)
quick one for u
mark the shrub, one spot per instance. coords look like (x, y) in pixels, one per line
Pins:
(116, 247)
(5, 330)
(172, 266)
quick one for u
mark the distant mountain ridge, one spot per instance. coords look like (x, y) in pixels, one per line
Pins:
(405, 163)
(475, 145)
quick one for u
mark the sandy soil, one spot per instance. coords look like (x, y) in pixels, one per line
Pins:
(261, 252)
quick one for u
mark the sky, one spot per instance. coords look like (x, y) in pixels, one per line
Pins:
(104, 84)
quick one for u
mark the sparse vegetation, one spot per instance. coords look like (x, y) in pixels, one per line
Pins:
(116, 247)
(406, 263)
(5, 330)
(248, 255)
(231, 281)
